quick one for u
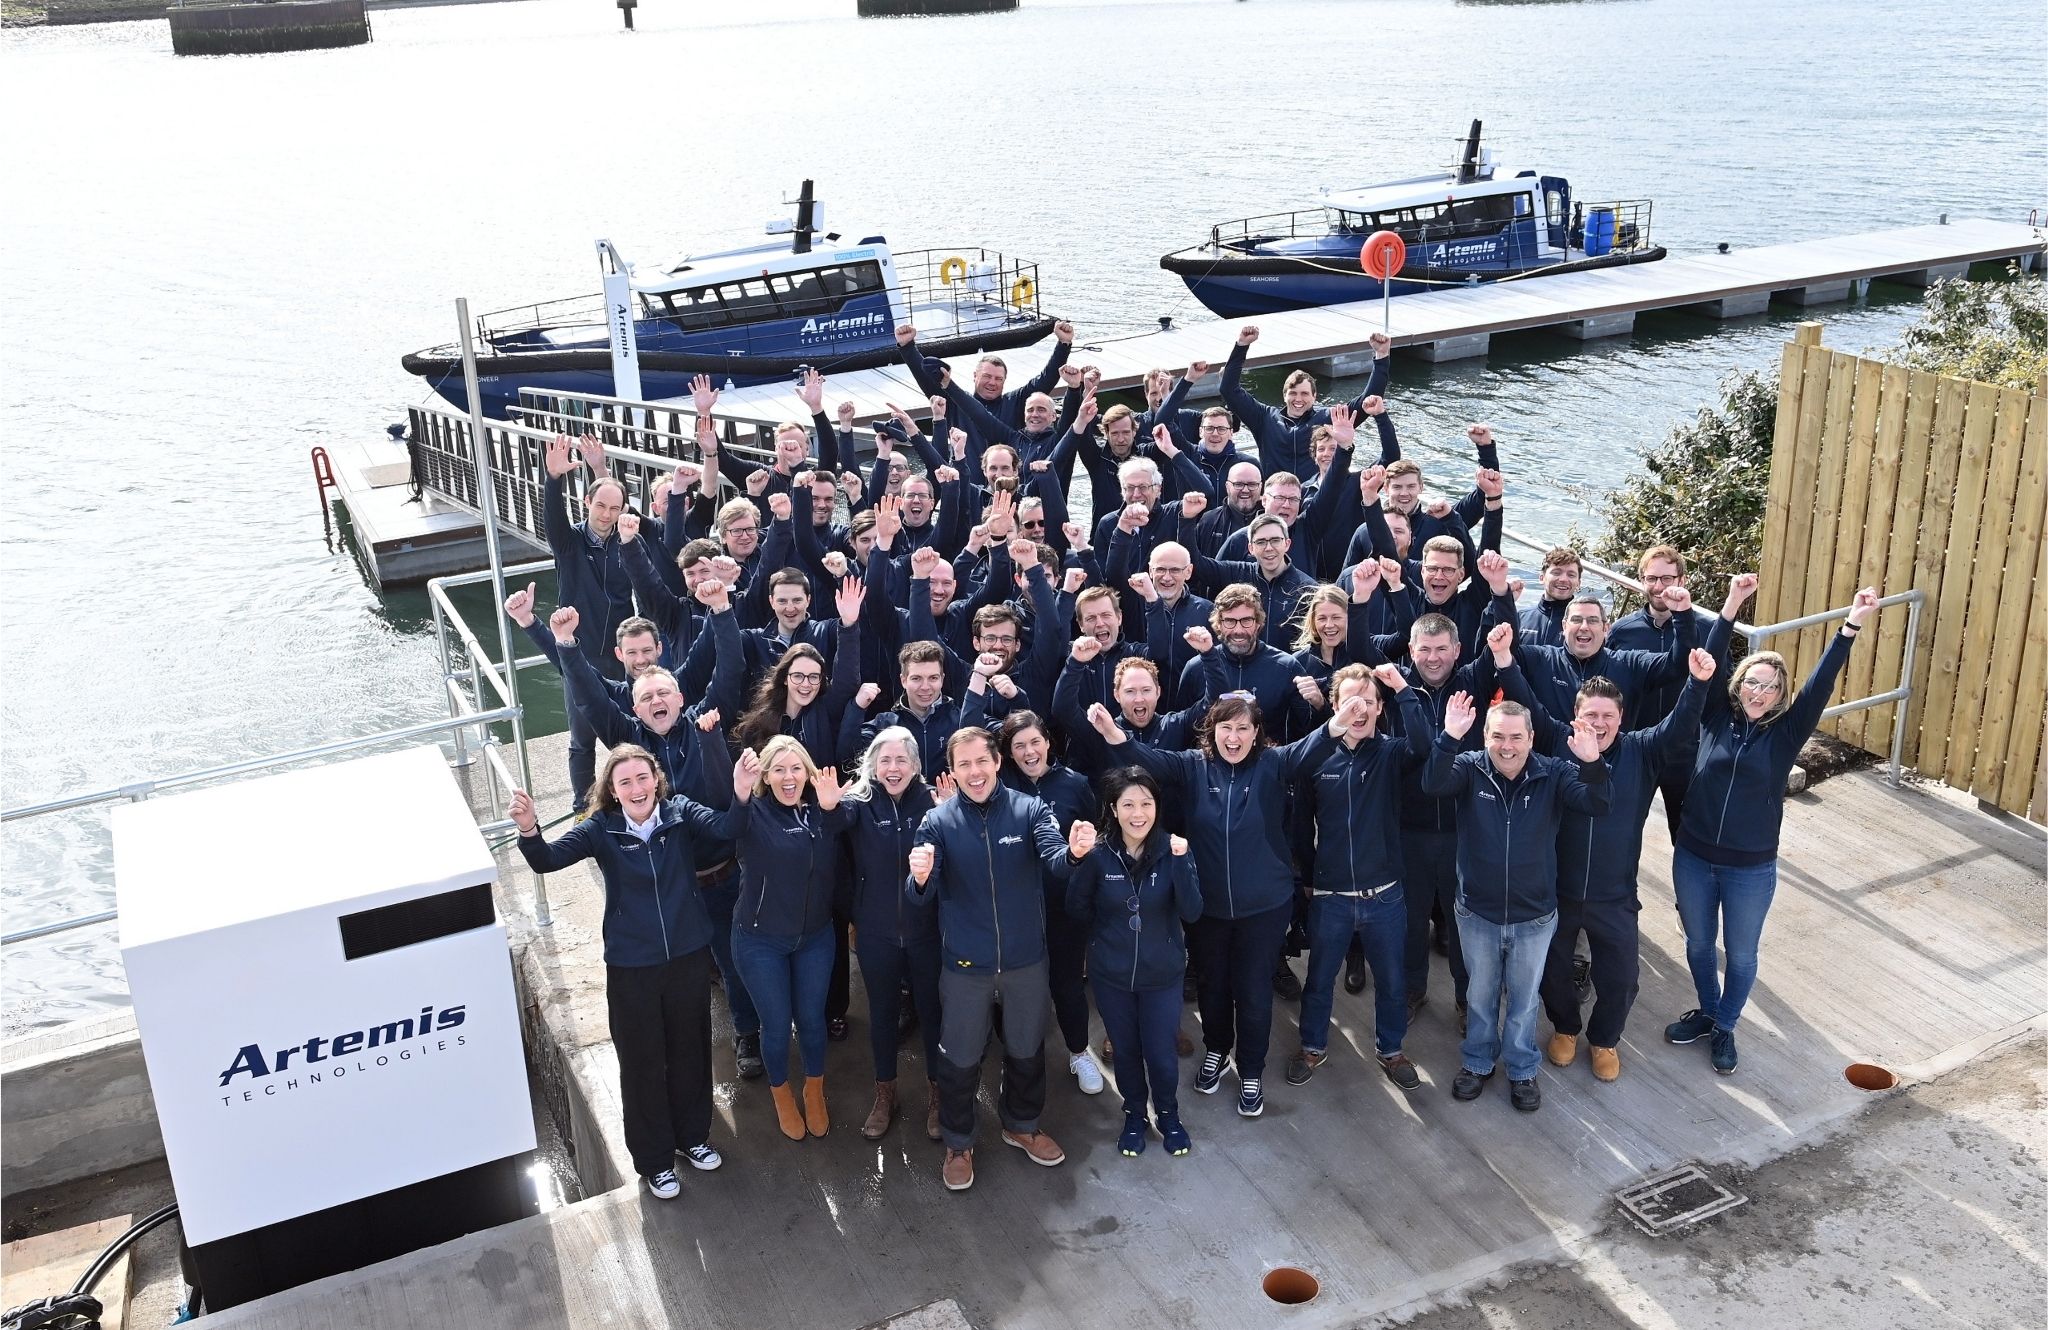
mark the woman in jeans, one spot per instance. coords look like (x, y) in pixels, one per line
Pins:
(1132, 892)
(897, 939)
(657, 951)
(788, 820)
(1724, 867)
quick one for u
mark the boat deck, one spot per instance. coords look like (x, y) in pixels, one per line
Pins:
(1906, 931)
(1457, 322)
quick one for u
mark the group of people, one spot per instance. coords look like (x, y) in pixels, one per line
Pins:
(1022, 751)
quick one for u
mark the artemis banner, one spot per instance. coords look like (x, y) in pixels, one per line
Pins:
(618, 317)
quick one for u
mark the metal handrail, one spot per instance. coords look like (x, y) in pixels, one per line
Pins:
(136, 791)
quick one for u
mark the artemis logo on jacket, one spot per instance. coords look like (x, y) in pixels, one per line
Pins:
(1009, 840)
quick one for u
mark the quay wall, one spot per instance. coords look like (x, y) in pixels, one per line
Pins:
(77, 1104)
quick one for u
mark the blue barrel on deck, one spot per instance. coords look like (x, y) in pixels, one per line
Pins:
(1599, 232)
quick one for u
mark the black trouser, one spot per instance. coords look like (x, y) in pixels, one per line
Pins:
(1674, 781)
(839, 997)
(661, 1030)
(1066, 956)
(1429, 863)
(1235, 981)
(1610, 928)
(885, 968)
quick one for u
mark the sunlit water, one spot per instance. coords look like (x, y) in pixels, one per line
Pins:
(212, 265)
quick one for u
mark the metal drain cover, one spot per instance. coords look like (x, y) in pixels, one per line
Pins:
(1666, 1202)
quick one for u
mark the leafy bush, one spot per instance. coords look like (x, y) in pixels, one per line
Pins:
(1996, 332)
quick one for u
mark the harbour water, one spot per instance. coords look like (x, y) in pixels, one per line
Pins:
(212, 265)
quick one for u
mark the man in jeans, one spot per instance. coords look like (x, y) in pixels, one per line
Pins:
(980, 852)
(1511, 802)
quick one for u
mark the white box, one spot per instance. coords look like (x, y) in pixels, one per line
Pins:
(288, 1078)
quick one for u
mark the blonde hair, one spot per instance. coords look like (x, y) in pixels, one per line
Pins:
(1305, 636)
(776, 747)
(1741, 672)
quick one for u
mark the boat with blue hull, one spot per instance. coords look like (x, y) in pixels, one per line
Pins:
(745, 316)
(1472, 223)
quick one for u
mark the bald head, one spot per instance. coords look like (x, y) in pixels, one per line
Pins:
(1169, 566)
(1241, 485)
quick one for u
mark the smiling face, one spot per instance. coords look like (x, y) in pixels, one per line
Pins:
(1300, 395)
(1328, 621)
(1434, 656)
(975, 765)
(923, 682)
(1759, 689)
(1585, 629)
(1137, 812)
(1031, 751)
(1137, 693)
(1284, 502)
(942, 586)
(1560, 581)
(786, 778)
(639, 653)
(1038, 413)
(604, 502)
(791, 604)
(1441, 572)
(998, 639)
(1269, 544)
(1364, 725)
(1604, 715)
(1405, 491)
(989, 378)
(1241, 486)
(999, 463)
(1323, 449)
(1660, 576)
(805, 679)
(1235, 738)
(917, 500)
(824, 494)
(1239, 629)
(657, 702)
(635, 787)
(1169, 566)
(742, 536)
(1507, 743)
(1140, 487)
(894, 767)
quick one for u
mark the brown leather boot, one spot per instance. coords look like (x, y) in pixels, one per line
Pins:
(883, 1113)
(931, 1116)
(814, 1106)
(787, 1115)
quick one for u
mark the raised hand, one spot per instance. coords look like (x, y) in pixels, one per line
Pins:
(938, 407)
(746, 773)
(826, 783)
(1381, 344)
(987, 664)
(1678, 599)
(559, 460)
(1133, 516)
(1002, 513)
(1311, 691)
(1005, 686)
(834, 563)
(1141, 586)
(1370, 482)
(1023, 552)
(757, 484)
(629, 527)
(1459, 715)
(1064, 331)
(944, 788)
(1390, 674)
(888, 520)
(1390, 572)
(713, 595)
(519, 606)
(1491, 483)
(1584, 743)
(1178, 844)
(1085, 415)
(1070, 375)
(726, 569)
(522, 813)
(956, 445)
(847, 601)
(1075, 579)
(779, 507)
(1351, 713)
(852, 486)
(1197, 370)
(1438, 508)
(703, 397)
(1193, 504)
(1701, 664)
(905, 334)
(1086, 648)
(1500, 639)
(1374, 405)
(1080, 839)
(1199, 639)
(707, 719)
(845, 413)
(1248, 334)
(563, 623)
(1494, 569)
(812, 391)
(1090, 376)
(1343, 426)
(1481, 435)
(1740, 588)
(922, 857)
(1365, 581)
(924, 561)
(865, 698)
(1863, 606)
(686, 477)
(946, 475)
(1076, 534)
(1105, 724)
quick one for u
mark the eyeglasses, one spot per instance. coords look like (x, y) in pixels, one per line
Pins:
(1240, 621)
(1170, 570)
(805, 676)
(1654, 579)
(1243, 484)
(742, 530)
(1268, 542)
(1030, 522)
(1764, 686)
(1216, 429)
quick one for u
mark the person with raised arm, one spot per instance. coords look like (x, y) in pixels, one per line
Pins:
(980, 854)
(991, 390)
(1555, 674)
(1170, 607)
(789, 820)
(1356, 894)
(1597, 858)
(922, 710)
(1135, 697)
(1248, 663)
(1337, 497)
(1652, 628)
(1280, 497)
(1542, 624)
(1271, 572)
(657, 952)
(1236, 790)
(1283, 432)
(1240, 486)
(794, 698)
(1511, 802)
(1132, 894)
(589, 574)
(1724, 869)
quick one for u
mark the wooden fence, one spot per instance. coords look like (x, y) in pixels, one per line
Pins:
(1897, 478)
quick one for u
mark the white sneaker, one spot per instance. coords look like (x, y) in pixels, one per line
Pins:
(1087, 1071)
(664, 1185)
(702, 1157)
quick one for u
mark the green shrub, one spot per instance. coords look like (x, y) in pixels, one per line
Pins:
(1996, 332)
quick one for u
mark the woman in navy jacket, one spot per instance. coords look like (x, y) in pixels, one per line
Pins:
(657, 951)
(1237, 790)
(897, 938)
(1027, 745)
(1133, 891)
(1724, 867)
(782, 926)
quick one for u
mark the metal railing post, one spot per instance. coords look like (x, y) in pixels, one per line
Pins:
(448, 680)
(1906, 663)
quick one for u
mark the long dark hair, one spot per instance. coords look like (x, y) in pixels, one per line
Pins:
(1114, 784)
(763, 719)
(1231, 708)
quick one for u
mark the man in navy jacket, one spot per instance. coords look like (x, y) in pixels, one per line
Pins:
(589, 574)
(1511, 802)
(980, 853)
(1283, 432)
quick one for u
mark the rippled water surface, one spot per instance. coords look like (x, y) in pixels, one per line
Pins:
(211, 265)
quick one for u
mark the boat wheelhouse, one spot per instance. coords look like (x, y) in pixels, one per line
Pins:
(749, 315)
(1471, 224)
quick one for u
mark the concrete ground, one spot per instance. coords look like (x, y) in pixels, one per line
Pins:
(1930, 1209)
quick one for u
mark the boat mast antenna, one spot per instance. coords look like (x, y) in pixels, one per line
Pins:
(1468, 164)
(806, 224)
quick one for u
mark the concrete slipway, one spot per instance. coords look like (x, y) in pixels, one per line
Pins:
(1908, 931)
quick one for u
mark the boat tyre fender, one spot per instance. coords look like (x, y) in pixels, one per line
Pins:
(953, 270)
(1023, 291)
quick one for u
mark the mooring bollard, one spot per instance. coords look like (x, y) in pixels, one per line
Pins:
(626, 8)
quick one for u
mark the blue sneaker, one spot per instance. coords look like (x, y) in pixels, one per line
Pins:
(1211, 1074)
(1132, 1143)
(1690, 1028)
(1175, 1135)
(1723, 1047)
(1251, 1100)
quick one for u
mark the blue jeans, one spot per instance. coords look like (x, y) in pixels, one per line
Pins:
(1142, 1027)
(1503, 961)
(721, 893)
(1714, 899)
(787, 978)
(1381, 924)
